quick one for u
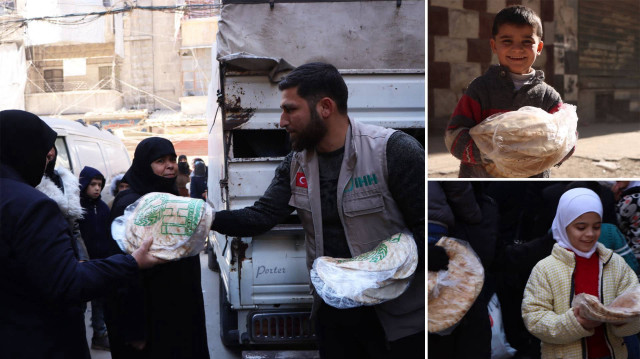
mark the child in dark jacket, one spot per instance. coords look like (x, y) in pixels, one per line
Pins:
(93, 228)
(198, 187)
(517, 41)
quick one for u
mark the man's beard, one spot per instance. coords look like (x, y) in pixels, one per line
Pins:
(311, 135)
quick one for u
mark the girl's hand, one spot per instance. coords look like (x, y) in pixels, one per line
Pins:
(586, 323)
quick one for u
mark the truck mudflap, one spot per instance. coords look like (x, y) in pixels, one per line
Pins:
(281, 354)
(266, 327)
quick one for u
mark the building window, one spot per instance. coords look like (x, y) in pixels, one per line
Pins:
(194, 79)
(53, 80)
(106, 80)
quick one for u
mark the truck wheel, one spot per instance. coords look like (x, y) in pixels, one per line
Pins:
(212, 261)
(228, 320)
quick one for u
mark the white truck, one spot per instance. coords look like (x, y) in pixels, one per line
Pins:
(379, 48)
(81, 145)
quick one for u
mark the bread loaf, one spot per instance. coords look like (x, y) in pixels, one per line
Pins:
(178, 225)
(451, 294)
(371, 278)
(526, 142)
(623, 309)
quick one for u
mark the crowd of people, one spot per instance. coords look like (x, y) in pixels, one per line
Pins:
(57, 252)
(540, 244)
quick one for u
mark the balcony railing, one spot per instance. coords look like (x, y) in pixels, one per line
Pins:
(41, 86)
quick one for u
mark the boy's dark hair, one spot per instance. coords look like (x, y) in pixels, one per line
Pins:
(517, 15)
(317, 80)
(101, 178)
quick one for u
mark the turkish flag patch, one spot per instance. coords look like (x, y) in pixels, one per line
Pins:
(301, 180)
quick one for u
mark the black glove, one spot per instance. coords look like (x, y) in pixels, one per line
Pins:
(437, 258)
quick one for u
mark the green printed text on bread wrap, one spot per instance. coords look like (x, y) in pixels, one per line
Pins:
(178, 225)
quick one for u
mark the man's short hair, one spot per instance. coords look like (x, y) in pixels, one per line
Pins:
(317, 80)
(517, 15)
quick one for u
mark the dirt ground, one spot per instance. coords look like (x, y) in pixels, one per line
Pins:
(578, 167)
(603, 151)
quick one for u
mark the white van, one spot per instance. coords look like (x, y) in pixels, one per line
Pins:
(81, 145)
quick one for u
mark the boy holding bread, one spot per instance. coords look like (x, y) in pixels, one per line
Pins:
(517, 41)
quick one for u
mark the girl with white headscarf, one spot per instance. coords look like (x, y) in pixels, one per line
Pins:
(577, 264)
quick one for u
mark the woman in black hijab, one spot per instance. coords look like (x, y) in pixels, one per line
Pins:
(25, 141)
(162, 314)
(42, 283)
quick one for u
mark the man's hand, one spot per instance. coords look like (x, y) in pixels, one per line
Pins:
(586, 323)
(144, 258)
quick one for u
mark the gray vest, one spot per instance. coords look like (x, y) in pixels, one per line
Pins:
(368, 213)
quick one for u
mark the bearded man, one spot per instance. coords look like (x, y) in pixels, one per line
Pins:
(352, 185)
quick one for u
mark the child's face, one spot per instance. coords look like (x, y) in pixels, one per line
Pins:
(584, 231)
(517, 47)
(94, 188)
(122, 186)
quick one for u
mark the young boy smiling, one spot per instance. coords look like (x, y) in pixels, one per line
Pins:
(517, 42)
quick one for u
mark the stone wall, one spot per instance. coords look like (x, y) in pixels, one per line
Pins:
(151, 64)
(137, 66)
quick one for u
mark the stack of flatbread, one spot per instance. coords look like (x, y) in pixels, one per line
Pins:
(625, 308)
(371, 278)
(526, 142)
(178, 225)
(452, 292)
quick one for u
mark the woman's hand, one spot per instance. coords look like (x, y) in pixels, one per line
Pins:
(144, 258)
(586, 323)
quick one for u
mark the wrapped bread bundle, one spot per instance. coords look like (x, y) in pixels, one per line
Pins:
(452, 292)
(625, 308)
(381, 274)
(526, 142)
(178, 225)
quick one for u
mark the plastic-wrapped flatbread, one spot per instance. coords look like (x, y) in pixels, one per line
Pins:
(526, 142)
(371, 278)
(178, 225)
(625, 308)
(452, 292)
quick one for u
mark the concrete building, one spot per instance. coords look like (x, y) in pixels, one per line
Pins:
(143, 66)
(12, 57)
(74, 62)
(590, 54)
